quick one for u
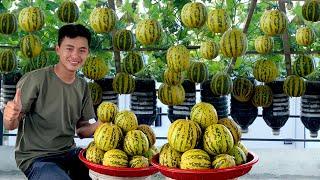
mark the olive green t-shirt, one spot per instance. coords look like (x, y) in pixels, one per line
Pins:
(52, 109)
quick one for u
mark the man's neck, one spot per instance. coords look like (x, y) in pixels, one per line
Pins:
(65, 75)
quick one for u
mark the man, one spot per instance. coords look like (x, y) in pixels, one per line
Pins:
(49, 106)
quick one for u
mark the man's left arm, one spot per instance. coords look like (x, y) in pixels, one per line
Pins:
(85, 129)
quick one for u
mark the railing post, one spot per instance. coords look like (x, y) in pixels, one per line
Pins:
(1, 128)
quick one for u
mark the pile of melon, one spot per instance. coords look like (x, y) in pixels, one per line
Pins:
(120, 141)
(203, 142)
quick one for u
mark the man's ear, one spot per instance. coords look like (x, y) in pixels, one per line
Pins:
(57, 48)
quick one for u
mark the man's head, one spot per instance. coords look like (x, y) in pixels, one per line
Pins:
(73, 46)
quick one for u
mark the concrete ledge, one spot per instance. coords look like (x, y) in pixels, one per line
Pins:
(284, 164)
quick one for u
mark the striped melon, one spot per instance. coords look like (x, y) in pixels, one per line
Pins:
(139, 162)
(68, 12)
(148, 131)
(8, 23)
(107, 111)
(198, 72)
(209, 50)
(40, 61)
(94, 154)
(95, 68)
(172, 78)
(91, 144)
(217, 139)
(148, 31)
(123, 40)
(265, 70)
(96, 92)
(123, 83)
(233, 127)
(107, 136)
(239, 156)
(303, 65)
(132, 63)
(171, 95)
(178, 58)
(262, 96)
(294, 86)
(243, 148)
(204, 114)
(183, 135)
(8, 61)
(311, 10)
(218, 20)
(102, 19)
(263, 44)
(193, 15)
(195, 159)
(305, 36)
(31, 19)
(126, 120)
(30, 46)
(135, 143)
(233, 43)
(273, 22)
(169, 157)
(115, 158)
(223, 161)
(242, 89)
(221, 84)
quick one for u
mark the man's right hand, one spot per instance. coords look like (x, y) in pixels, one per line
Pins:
(12, 111)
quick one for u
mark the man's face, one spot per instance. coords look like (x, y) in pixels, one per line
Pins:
(73, 52)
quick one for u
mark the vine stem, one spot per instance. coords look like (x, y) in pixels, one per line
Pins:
(116, 53)
(245, 30)
(286, 40)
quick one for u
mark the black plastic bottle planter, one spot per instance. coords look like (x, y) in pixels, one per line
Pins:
(219, 102)
(107, 91)
(143, 101)
(278, 113)
(8, 87)
(310, 108)
(183, 111)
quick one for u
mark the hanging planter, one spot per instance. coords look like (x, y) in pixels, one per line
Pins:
(244, 113)
(8, 87)
(183, 110)
(310, 108)
(143, 101)
(278, 113)
(107, 91)
(219, 102)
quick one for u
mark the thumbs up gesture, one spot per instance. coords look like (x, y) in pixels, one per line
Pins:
(13, 108)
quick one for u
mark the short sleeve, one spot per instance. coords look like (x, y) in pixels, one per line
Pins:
(87, 105)
(29, 91)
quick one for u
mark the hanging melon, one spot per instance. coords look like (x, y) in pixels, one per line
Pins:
(209, 50)
(263, 44)
(123, 40)
(68, 12)
(30, 46)
(171, 95)
(178, 58)
(218, 20)
(8, 61)
(172, 78)
(294, 86)
(132, 63)
(198, 72)
(123, 83)
(233, 43)
(305, 36)
(193, 15)
(262, 96)
(242, 89)
(8, 23)
(31, 19)
(148, 31)
(102, 19)
(273, 22)
(265, 70)
(95, 68)
(40, 61)
(221, 84)
(311, 10)
(303, 65)
(96, 92)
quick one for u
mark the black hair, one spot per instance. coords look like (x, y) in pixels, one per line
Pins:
(73, 31)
